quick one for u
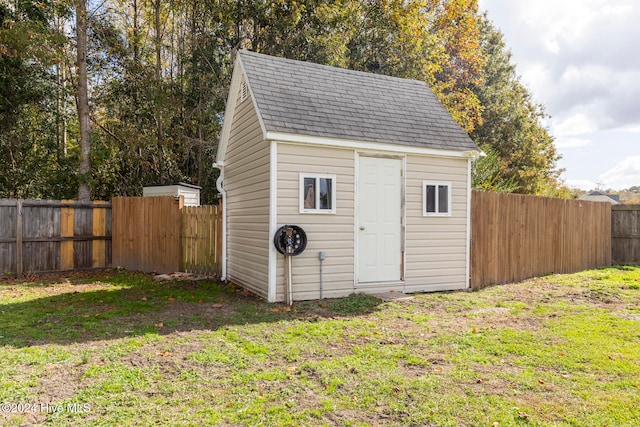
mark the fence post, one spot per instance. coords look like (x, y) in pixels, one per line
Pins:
(98, 250)
(67, 220)
(19, 260)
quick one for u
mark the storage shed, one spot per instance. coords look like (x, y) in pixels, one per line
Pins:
(190, 192)
(372, 168)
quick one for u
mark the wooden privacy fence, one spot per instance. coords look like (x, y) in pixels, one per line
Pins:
(159, 234)
(202, 239)
(625, 234)
(515, 237)
(146, 233)
(44, 236)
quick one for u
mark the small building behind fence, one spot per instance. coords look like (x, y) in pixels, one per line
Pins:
(191, 193)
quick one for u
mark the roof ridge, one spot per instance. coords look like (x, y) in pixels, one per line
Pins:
(329, 68)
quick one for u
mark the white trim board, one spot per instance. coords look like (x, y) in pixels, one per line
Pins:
(364, 145)
(273, 222)
(468, 242)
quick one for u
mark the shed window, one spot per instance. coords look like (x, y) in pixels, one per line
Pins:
(436, 198)
(317, 193)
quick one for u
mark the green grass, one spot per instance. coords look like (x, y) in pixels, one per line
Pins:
(120, 349)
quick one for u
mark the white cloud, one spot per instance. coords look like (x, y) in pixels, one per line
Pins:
(633, 128)
(623, 175)
(582, 184)
(552, 45)
(563, 142)
(578, 124)
(579, 58)
(536, 77)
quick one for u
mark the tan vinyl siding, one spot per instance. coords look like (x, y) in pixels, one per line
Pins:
(247, 185)
(435, 246)
(332, 233)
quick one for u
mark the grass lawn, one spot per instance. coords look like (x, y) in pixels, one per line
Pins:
(117, 349)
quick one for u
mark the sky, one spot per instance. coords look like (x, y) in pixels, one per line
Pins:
(581, 60)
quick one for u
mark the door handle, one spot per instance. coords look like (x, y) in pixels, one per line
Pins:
(362, 227)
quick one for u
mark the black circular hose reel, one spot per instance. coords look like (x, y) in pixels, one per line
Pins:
(290, 240)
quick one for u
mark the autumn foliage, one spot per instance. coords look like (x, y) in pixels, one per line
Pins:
(159, 73)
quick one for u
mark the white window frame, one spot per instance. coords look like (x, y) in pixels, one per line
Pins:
(424, 198)
(317, 177)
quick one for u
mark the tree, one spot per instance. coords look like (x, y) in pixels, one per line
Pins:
(430, 40)
(487, 174)
(512, 133)
(160, 72)
(82, 102)
(458, 29)
(32, 161)
(393, 37)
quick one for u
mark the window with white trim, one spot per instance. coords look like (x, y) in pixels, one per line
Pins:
(436, 198)
(317, 193)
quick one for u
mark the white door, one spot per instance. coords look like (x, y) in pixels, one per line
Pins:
(379, 219)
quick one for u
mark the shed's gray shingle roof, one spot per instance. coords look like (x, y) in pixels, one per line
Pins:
(311, 99)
